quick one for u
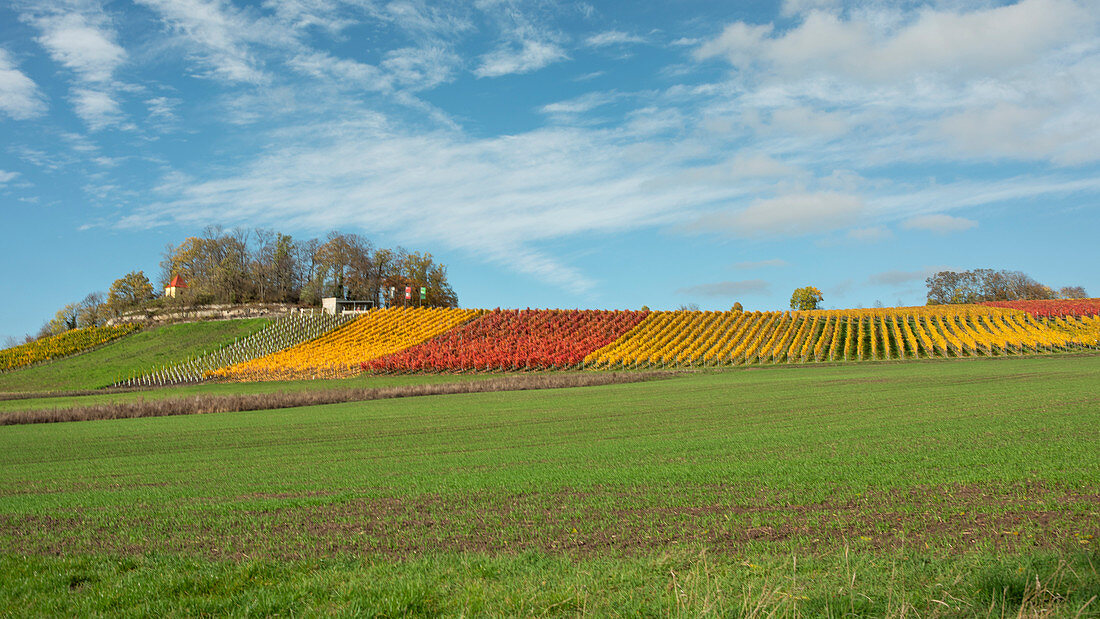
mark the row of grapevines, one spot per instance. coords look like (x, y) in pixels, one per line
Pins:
(281, 334)
(340, 352)
(724, 338)
(62, 345)
(514, 340)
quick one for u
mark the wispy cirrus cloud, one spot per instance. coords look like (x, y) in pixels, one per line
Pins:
(520, 57)
(801, 138)
(526, 44)
(219, 37)
(81, 43)
(613, 37)
(98, 108)
(577, 107)
(20, 97)
(81, 39)
(425, 187)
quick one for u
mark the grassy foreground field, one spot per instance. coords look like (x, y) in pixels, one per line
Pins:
(137, 353)
(951, 488)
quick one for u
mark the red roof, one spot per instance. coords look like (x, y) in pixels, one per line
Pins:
(177, 282)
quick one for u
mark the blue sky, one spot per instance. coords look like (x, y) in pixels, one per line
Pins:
(558, 154)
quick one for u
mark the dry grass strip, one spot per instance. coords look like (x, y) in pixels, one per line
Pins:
(6, 396)
(202, 404)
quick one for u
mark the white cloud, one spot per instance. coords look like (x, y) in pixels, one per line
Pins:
(345, 72)
(794, 214)
(7, 177)
(761, 166)
(589, 76)
(162, 109)
(219, 36)
(1008, 130)
(795, 7)
(495, 198)
(19, 96)
(527, 44)
(613, 37)
(97, 108)
(882, 84)
(939, 223)
(530, 56)
(427, 22)
(726, 289)
(806, 121)
(82, 46)
(421, 68)
(977, 42)
(739, 43)
(81, 39)
(304, 14)
(579, 105)
(741, 175)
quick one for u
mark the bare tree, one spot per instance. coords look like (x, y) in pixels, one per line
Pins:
(92, 311)
(1073, 292)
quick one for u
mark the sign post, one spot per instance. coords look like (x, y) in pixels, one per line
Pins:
(423, 294)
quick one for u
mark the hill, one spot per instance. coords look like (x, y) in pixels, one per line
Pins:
(132, 354)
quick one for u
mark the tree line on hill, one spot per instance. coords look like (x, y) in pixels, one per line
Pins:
(263, 266)
(977, 285)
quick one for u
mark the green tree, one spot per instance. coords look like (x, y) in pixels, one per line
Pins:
(421, 270)
(979, 285)
(128, 291)
(67, 318)
(806, 298)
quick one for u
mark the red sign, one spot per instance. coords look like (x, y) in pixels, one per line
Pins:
(408, 292)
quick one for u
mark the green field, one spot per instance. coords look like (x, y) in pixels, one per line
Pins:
(956, 488)
(133, 354)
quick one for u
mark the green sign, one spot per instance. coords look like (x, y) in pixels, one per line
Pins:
(423, 293)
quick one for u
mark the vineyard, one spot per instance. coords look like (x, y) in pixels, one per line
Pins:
(63, 345)
(738, 338)
(514, 340)
(284, 333)
(404, 340)
(341, 352)
(447, 340)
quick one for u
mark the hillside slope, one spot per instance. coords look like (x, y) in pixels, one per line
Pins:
(132, 354)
